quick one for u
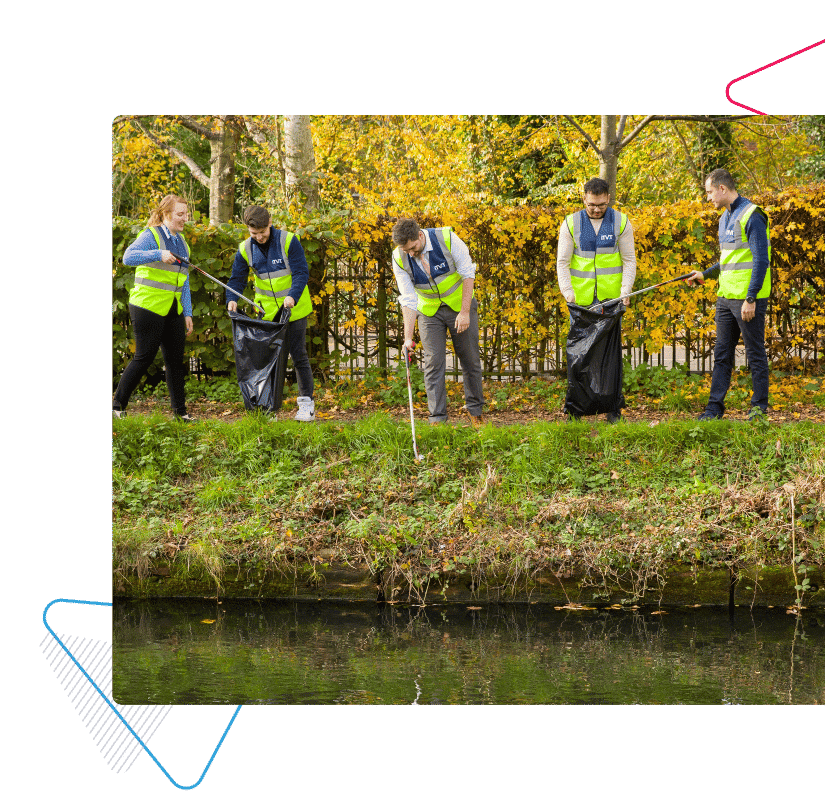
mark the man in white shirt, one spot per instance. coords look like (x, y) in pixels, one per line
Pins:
(435, 275)
(595, 259)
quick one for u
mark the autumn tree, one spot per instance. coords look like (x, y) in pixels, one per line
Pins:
(616, 134)
(217, 172)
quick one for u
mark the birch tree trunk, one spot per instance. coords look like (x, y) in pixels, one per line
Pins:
(301, 183)
(299, 161)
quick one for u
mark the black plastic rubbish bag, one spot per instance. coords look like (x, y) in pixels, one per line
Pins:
(260, 359)
(594, 351)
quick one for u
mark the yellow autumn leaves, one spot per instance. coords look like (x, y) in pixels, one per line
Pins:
(516, 286)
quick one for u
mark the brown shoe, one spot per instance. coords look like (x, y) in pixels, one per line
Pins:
(477, 421)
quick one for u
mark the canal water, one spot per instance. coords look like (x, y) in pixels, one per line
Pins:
(287, 652)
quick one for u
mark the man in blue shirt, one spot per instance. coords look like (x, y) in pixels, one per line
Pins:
(744, 283)
(281, 275)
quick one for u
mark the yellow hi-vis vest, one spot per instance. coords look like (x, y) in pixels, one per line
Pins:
(736, 259)
(597, 271)
(272, 287)
(158, 284)
(445, 286)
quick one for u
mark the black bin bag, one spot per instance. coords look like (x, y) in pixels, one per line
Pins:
(594, 351)
(260, 359)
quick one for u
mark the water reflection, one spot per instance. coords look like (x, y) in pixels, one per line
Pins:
(182, 651)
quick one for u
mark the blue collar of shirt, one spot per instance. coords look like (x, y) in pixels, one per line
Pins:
(741, 200)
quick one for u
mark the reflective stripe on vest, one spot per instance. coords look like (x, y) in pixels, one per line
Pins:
(442, 288)
(159, 284)
(736, 258)
(271, 287)
(596, 271)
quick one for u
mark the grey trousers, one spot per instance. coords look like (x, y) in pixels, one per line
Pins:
(433, 332)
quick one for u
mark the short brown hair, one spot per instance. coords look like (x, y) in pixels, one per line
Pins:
(722, 177)
(405, 230)
(164, 208)
(257, 217)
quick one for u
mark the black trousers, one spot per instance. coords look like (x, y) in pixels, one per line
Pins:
(153, 332)
(297, 344)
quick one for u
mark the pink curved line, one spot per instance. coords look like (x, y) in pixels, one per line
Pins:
(773, 63)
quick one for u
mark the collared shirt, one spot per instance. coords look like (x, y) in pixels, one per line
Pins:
(565, 251)
(145, 250)
(461, 256)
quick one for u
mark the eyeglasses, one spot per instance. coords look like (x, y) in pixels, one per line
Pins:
(601, 206)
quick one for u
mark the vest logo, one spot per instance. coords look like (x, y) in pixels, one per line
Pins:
(730, 231)
(277, 261)
(605, 237)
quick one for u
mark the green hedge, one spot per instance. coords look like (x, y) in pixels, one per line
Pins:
(526, 288)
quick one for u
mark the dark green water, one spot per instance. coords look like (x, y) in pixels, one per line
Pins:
(354, 653)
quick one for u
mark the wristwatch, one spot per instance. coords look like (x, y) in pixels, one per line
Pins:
(749, 299)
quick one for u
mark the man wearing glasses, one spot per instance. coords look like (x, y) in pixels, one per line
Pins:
(595, 258)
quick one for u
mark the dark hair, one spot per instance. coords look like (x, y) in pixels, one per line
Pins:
(257, 217)
(721, 177)
(405, 230)
(596, 186)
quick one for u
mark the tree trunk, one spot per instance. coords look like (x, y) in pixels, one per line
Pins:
(608, 154)
(223, 147)
(299, 161)
(301, 183)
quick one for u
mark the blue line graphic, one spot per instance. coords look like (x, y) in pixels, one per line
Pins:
(119, 715)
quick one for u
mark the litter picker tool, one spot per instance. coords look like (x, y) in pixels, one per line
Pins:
(611, 302)
(407, 354)
(223, 285)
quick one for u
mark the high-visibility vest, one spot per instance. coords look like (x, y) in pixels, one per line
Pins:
(158, 284)
(445, 282)
(272, 286)
(736, 259)
(596, 266)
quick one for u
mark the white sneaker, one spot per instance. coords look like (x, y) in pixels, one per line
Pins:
(306, 409)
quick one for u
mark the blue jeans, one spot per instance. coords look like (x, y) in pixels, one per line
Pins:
(730, 327)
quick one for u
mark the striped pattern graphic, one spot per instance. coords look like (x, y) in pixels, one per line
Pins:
(118, 746)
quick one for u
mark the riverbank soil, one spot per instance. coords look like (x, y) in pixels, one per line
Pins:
(580, 513)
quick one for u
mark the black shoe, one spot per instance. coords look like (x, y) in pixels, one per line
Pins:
(614, 417)
(573, 418)
(708, 415)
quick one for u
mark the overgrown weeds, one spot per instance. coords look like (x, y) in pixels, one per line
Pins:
(615, 505)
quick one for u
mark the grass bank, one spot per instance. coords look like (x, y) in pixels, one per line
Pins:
(609, 508)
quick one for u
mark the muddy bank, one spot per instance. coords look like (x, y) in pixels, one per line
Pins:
(766, 586)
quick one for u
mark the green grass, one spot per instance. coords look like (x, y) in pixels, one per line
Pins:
(605, 499)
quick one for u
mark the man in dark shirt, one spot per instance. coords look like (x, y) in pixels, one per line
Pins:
(744, 283)
(280, 279)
